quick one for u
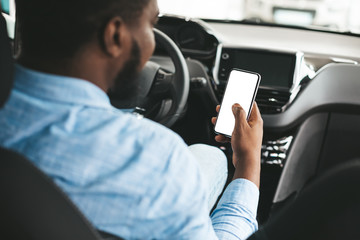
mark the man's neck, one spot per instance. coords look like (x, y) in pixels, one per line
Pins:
(77, 68)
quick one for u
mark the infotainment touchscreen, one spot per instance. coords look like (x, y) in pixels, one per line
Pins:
(275, 68)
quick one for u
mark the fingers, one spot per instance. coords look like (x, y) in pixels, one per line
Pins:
(255, 115)
(240, 115)
(222, 139)
(255, 112)
(213, 120)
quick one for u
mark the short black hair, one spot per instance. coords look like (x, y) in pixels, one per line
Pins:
(58, 28)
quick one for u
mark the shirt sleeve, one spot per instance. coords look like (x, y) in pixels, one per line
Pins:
(235, 214)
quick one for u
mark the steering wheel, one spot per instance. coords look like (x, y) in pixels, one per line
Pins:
(162, 94)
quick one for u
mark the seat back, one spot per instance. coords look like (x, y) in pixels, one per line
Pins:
(329, 208)
(325, 124)
(32, 207)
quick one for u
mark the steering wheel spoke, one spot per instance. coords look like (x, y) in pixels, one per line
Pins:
(162, 82)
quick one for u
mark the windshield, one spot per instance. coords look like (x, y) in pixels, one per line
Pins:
(332, 15)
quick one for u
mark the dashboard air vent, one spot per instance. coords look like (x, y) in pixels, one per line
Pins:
(271, 101)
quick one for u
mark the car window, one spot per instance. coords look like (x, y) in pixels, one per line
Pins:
(8, 11)
(331, 15)
(5, 6)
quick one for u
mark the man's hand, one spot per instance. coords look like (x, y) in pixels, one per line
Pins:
(246, 143)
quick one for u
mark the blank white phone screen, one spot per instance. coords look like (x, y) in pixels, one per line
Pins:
(240, 89)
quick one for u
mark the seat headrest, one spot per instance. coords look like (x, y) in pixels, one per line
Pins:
(6, 63)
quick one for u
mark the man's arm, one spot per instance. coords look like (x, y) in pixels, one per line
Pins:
(235, 214)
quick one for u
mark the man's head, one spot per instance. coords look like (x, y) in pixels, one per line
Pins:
(87, 38)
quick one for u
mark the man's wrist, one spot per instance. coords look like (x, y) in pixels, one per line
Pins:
(248, 167)
(252, 155)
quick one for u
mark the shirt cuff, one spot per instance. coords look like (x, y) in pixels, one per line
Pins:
(241, 192)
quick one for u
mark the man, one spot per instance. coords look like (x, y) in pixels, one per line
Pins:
(130, 177)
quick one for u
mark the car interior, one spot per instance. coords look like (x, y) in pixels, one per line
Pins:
(308, 98)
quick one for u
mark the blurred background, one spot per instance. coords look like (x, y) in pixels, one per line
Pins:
(333, 15)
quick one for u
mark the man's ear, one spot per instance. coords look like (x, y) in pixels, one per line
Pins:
(116, 37)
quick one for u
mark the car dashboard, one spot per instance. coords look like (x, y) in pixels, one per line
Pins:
(288, 59)
(283, 63)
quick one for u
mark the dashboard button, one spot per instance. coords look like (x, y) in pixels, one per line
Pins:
(225, 56)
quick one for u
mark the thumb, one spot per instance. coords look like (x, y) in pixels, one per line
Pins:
(239, 114)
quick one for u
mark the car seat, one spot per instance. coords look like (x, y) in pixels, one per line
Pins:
(328, 208)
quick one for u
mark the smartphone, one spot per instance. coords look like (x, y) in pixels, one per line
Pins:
(241, 88)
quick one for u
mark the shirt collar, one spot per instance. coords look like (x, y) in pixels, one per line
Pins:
(59, 88)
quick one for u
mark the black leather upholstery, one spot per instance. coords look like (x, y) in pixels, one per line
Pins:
(32, 207)
(329, 208)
